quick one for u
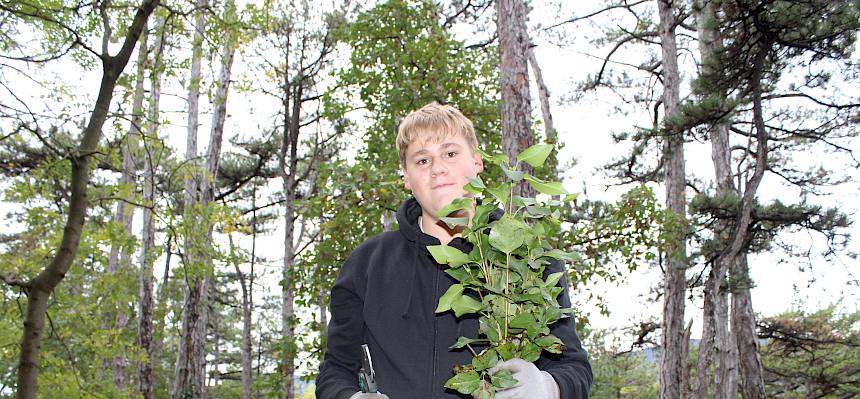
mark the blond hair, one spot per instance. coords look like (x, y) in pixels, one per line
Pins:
(433, 122)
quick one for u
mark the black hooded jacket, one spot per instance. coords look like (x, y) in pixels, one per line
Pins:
(386, 296)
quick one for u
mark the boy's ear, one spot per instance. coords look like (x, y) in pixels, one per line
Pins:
(479, 162)
(405, 178)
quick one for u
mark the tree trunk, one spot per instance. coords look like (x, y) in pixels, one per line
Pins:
(742, 338)
(190, 376)
(710, 43)
(119, 259)
(740, 233)
(145, 304)
(743, 326)
(725, 370)
(246, 284)
(543, 95)
(514, 84)
(39, 289)
(671, 362)
(289, 164)
(216, 332)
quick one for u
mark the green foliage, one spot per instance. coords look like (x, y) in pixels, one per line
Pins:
(76, 342)
(403, 58)
(813, 354)
(502, 278)
(767, 222)
(610, 240)
(620, 374)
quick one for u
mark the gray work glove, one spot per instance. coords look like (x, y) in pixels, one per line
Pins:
(363, 395)
(531, 382)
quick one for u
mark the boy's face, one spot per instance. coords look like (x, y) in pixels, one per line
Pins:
(437, 172)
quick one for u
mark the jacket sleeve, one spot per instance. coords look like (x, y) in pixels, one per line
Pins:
(570, 369)
(338, 377)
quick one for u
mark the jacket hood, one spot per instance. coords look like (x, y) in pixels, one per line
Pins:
(407, 219)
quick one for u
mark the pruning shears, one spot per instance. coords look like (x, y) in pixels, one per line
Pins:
(366, 375)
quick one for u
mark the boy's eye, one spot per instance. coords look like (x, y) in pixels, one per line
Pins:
(451, 154)
(422, 161)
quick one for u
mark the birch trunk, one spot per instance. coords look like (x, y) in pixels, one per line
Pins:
(42, 286)
(145, 302)
(190, 376)
(671, 362)
(514, 84)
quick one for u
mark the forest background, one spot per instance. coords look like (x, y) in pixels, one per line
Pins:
(713, 145)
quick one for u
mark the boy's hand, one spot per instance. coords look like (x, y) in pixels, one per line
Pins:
(531, 382)
(363, 395)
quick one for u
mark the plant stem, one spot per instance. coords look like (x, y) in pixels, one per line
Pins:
(507, 285)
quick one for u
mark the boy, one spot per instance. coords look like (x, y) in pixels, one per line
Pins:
(388, 289)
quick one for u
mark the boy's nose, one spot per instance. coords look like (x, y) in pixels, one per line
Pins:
(438, 168)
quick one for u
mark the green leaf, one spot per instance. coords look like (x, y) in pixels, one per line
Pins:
(503, 379)
(495, 159)
(463, 341)
(486, 391)
(476, 182)
(535, 155)
(506, 350)
(571, 197)
(460, 274)
(549, 188)
(465, 382)
(524, 321)
(445, 255)
(550, 343)
(558, 254)
(455, 221)
(457, 204)
(552, 279)
(465, 305)
(501, 192)
(537, 211)
(530, 352)
(506, 234)
(446, 302)
(514, 175)
(551, 315)
(485, 360)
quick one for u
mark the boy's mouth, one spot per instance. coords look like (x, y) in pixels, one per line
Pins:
(440, 185)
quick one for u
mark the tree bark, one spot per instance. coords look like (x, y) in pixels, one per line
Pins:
(39, 289)
(543, 95)
(514, 84)
(743, 326)
(119, 259)
(145, 286)
(247, 286)
(190, 376)
(671, 362)
(715, 319)
(715, 341)
(289, 165)
(740, 233)
(725, 370)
